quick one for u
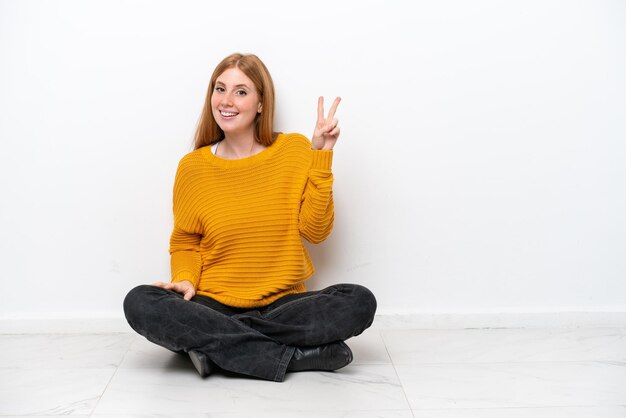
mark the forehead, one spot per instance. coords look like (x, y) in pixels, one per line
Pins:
(234, 76)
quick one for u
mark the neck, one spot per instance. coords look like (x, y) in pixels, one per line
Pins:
(239, 146)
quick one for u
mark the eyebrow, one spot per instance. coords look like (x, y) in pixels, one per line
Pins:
(238, 85)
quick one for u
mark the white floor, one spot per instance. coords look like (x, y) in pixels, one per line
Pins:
(485, 373)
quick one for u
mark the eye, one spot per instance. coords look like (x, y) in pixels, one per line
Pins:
(241, 92)
(219, 89)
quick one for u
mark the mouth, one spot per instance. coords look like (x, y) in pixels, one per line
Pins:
(228, 114)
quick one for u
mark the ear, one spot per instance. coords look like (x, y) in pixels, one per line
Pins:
(259, 108)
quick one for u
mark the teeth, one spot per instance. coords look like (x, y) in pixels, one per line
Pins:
(228, 114)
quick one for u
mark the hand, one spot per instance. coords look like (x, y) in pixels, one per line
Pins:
(184, 287)
(326, 129)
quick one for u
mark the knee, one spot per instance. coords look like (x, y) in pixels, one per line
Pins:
(137, 301)
(362, 300)
(366, 299)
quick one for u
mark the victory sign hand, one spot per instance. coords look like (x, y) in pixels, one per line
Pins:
(327, 128)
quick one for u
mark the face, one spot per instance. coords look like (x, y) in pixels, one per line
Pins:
(235, 102)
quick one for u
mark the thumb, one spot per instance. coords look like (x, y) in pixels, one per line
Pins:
(189, 293)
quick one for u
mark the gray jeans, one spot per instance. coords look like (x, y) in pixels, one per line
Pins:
(255, 342)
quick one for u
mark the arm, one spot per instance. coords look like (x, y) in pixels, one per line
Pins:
(317, 211)
(185, 258)
(186, 263)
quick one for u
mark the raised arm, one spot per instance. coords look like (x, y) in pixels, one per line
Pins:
(317, 211)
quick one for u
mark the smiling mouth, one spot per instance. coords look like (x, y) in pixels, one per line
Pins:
(228, 114)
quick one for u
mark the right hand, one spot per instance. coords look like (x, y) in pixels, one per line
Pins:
(184, 287)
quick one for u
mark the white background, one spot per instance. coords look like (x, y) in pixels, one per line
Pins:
(481, 165)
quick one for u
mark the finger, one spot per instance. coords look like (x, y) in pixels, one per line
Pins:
(158, 284)
(330, 126)
(188, 295)
(333, 108)
(320, 109)
(168, 286)
(334, 132)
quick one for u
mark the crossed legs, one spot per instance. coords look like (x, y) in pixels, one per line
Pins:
(258, 342)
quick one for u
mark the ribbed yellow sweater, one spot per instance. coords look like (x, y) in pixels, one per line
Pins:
(238, 223)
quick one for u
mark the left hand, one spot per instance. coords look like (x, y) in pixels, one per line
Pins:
(327, 128)
(184, 287)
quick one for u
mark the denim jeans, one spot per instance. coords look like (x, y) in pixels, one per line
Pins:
(255, 342)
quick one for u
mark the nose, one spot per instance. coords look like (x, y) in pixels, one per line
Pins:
(226, 99)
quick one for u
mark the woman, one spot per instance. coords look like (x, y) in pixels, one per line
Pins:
(243, 201)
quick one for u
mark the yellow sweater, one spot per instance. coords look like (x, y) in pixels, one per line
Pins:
(238, 223)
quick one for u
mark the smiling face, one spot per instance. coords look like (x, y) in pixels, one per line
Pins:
(235, 102)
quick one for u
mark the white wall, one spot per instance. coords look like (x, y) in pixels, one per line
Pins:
(480, 166)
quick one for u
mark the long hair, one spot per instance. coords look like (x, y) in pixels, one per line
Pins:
(209, 132)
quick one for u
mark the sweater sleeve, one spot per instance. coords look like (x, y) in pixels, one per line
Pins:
(317, 211)
(186, 262)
